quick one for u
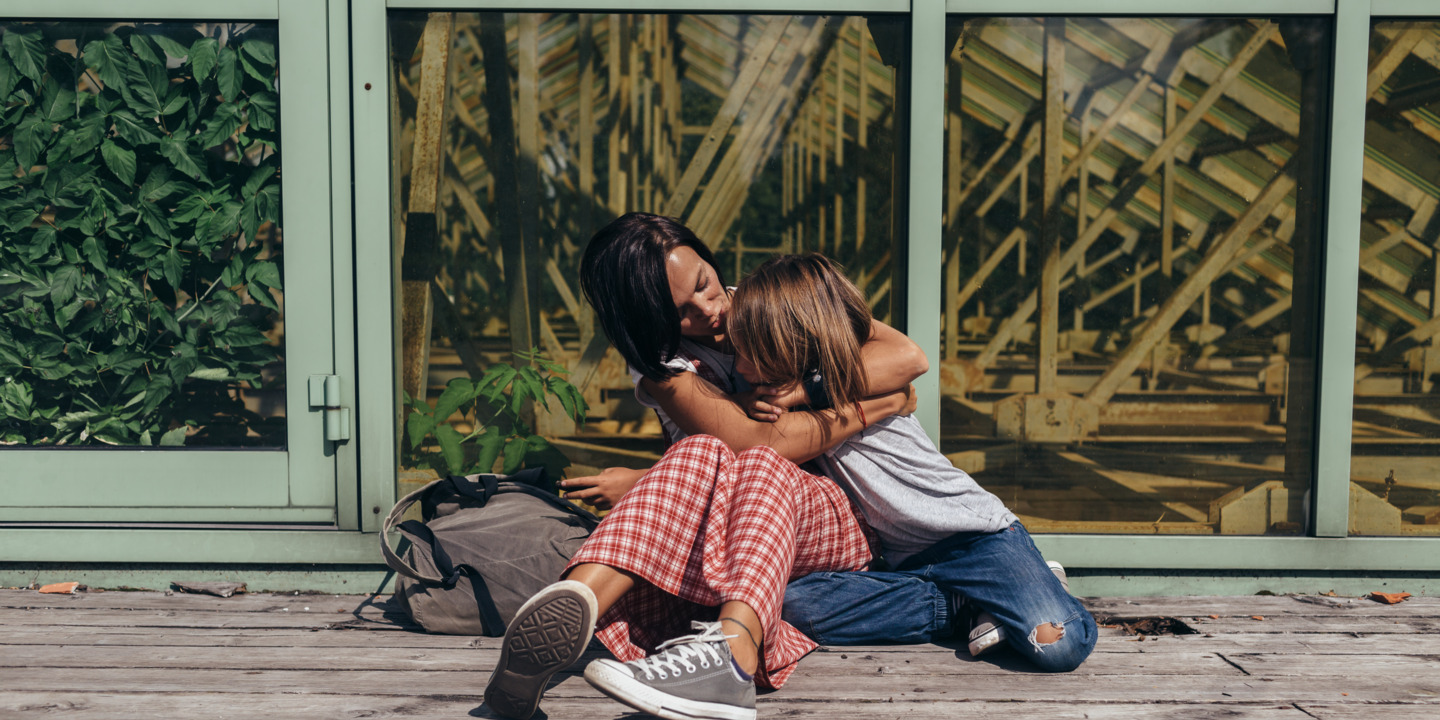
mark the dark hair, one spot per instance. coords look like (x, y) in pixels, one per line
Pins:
(623, 276)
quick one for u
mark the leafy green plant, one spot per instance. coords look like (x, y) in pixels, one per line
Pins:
(494, 405)
(140, 265)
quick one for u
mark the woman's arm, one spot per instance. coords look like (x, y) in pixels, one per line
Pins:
(892, 361)
(698, 407)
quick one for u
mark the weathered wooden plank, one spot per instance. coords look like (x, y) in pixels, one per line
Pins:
(296, 618)
(142, 706)
(1308, 605)
(1267, 665)
(846, 661)
(1388, 711)
(1034, 687)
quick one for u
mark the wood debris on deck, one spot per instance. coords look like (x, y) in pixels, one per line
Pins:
(156, 655)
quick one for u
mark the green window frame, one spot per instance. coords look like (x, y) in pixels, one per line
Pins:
(363, 279)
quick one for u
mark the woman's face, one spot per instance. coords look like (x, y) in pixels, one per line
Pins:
(697, 293)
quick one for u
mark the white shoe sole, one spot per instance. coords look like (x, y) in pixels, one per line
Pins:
(622, 687)
(986, 641)
(548, 634)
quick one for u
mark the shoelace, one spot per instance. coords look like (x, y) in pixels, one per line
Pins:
(682, 650)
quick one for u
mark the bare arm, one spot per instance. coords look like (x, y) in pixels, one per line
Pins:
(698, 407)
(892, 361)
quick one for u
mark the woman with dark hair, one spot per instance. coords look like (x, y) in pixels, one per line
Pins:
(713, 532)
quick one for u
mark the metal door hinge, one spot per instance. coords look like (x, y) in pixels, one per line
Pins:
(325, 396)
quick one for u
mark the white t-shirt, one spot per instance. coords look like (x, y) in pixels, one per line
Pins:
(710, 364)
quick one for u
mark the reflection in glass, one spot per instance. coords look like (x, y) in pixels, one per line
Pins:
(1395, 471)
(1128, 306)
(140, 267)
(516, 136)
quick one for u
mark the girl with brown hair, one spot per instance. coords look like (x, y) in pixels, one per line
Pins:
(797, 317)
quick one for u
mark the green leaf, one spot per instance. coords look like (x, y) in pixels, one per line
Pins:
(489, 444)
(120, 161)
(260, 50)
(146, 50)
(268, 273)
(148, 88)
(174, 438)
(227, 74)
(255, 71)
(94, 252)
(457, 392)
(177, 151)
(30, 138)
(174, 268)
(67, 312)
(57, 103)
(256, 179)
(264, 107)
(533, 385)
(9, 78)
(134, 130)
(202, 57)
(514, 456)
(210, 374)
(560, 389)
(63, 284)
(417, 426)
(495, 380)
(26, 51)
(171, 48)
(226, 120)
(108, 57)
(451, 448)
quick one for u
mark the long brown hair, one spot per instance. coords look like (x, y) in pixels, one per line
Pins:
(798, 314)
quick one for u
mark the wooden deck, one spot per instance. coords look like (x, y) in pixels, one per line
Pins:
(151, 655)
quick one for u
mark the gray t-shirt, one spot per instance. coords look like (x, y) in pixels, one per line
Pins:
(910, 493)
(911, 496)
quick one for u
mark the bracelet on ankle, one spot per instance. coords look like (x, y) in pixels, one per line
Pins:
(744, 627)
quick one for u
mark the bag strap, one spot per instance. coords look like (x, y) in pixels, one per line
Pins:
(489, 614)
(393, 560)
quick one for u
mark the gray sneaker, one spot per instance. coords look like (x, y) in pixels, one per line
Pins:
(986, 633)
(549, 633)
(690, 678)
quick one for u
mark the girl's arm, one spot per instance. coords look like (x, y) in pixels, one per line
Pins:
(698, 407)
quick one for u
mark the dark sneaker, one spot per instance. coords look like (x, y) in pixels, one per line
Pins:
(690, 678)
(986, 633)
(549, 633)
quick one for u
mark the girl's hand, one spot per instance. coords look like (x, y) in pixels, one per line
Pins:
(604, 490)
(766, 403)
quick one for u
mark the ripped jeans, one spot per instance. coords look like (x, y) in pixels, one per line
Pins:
(1001, 572)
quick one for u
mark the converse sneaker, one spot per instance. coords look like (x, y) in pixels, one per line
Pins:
(986, 633)
(549, 633)
(690, 678)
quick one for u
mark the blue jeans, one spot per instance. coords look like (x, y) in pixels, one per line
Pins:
(1001, 572)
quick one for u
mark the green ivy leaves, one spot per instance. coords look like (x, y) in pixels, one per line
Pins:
(139, 274)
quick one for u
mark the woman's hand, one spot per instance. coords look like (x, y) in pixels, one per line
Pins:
(604, 490)
(767, 403)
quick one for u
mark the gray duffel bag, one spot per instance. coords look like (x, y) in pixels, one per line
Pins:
(487, 543)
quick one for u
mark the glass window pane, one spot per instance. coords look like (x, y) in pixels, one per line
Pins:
(516, 136)
(140, 267)
(1128, 314)
(1395, 471)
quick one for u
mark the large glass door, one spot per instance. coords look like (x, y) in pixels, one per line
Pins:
(165, 269)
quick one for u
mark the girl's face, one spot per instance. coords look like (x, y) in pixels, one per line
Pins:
(697, 293)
